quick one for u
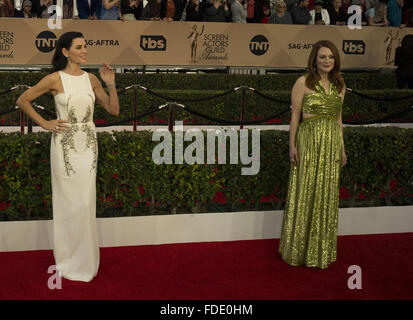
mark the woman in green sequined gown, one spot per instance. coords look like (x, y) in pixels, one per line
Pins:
(309, 230)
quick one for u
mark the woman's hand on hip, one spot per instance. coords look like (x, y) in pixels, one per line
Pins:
(57, 126)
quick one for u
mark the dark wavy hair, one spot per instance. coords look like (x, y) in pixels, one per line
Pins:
(407, 48)
(334, 75)
(59, 61)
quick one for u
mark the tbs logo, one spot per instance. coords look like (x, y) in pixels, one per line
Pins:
(354, 47)
(153, 43)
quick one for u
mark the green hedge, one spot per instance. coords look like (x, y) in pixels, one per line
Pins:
(379, 172)
(356, 108)
(204, 85)
(356, 81)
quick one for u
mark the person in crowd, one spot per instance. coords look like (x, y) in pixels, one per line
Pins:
(310, 223)
(272, 6)
(361, 3)
(239, 11)
(250, 11)
(346, 4)
(407, 13)
(404, 62)
(152, 10)
(336, 13)
(394, 13)
(67, 8)
(319, 15)
(266, 13)
(325, 5)
(300, 13)
(291, 4)
(40, 7)
(205, 4)
(18, 8)
(408, 18)
(217, 12)
(87, 9)
(6, 8)
(171, 10)
(110, 10)
(259, 10)
(377, 16)
(27, 10)
(372, 3)
(281, 15)
(131, 10)
(193, 11)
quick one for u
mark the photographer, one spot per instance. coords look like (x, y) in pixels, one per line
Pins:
(239, 11)
(131, 10)
(193, 11)
(217, 12)
(171, 10)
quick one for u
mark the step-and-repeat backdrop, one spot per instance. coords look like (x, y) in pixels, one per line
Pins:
(137, 43)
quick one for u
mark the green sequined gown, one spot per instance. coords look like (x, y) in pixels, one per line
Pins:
(309, 230)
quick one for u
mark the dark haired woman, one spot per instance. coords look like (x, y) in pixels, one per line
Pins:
(309, 231)
(404, 62)
(152, 10)
(171, 10)
(73, 152)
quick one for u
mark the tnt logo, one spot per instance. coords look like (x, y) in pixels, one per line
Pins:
(354, 47)
(46, 41)
(259, 45)
(153, 43)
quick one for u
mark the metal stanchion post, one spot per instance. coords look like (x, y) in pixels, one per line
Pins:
(135, 106)
(29, 125)
(21, 122)
(21, 115)
(242, 106)
(171, 116)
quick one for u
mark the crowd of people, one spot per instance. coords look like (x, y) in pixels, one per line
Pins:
(398, 13)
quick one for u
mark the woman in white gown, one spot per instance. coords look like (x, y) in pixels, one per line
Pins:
(73, 152)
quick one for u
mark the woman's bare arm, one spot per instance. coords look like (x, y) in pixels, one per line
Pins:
(297, 95)
(109, 102)
(46, 84)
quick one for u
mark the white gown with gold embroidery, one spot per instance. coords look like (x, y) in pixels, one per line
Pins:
(73, 159)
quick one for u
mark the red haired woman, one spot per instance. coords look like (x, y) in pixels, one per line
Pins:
(309, 231)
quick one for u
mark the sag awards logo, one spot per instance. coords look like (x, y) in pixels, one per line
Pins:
(259, 45)
(46, 41)
(214, 46)
(6, 44)
(391, 37)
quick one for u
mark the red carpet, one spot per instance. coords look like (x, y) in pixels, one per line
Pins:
(221, 270)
